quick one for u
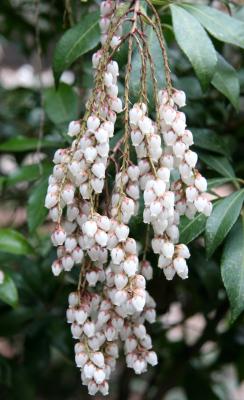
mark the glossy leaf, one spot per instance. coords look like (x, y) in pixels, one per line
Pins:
(28, 173)
(232, 268)
(216, 182)
(226, 81)
(221, 25)
(209, 140)
(195, 43)
(75, 42)
(218, 164)
(22, 143)
(8, 291)
(36, 212)
(61, 105)
(14, 242)
(190, 229)
(223, 217)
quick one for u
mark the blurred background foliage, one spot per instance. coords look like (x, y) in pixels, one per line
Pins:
(199, 335)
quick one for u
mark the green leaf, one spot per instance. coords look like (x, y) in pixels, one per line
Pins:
(135, 81)
(8, 291)
(14, 242)
(223, 217)
(76, 41)
(13, 320)
(209, 140)
(61, 105)
(222, 26)
(195, 43)
(219, 164)
(232, 268)
(22, 143)
(226, 81)
(36, 212)
(190, 229)
(28, 173)
(216, 182)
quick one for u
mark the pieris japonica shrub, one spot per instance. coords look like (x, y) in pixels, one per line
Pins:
(111, 306)
(121, 238)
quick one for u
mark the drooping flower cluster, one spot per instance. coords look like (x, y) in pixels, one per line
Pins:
(111, 305)
(161, 150)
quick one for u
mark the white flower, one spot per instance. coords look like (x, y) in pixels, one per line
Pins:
(145, 125)
(89, 329)
(168, 249)
(191, 158)
(80, 359)
(70, 244)
(76, 330)
(139, 300)
(179, 149)
(130, 246)
(169, 273)
(89, 370)
(140, 331)
(135, 115)
(130, 344)
(92, 278)
(200, 183)
(191, 194)
(101, 237)
(152, 358)
(68, 194)
(120, 280)
(201, 203)
(122, 232)
(57, 268)
(208, 209)
(74, 128)
(133, 172)
(115, 41)
(101, 135)
(58, 236)
(179, 98)
(98, 359)
(77, 255)
(183, 251)
(51, 200)
(116, 105)
(98, 170)
(89, 228)
(67, 262)
(73, 299)
(168, 113)
(93, 123)
(120, 297)
(159, 187)
(155, 208)
(70, 315)
(139, 366)
(117, 255)
(90, 154)
(80, 315)
(179, 124)
(97, 185)
(187, 138)
(106, 7)
(113, 68)
(181, 267)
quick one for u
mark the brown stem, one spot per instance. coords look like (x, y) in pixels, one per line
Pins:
(158, 30)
